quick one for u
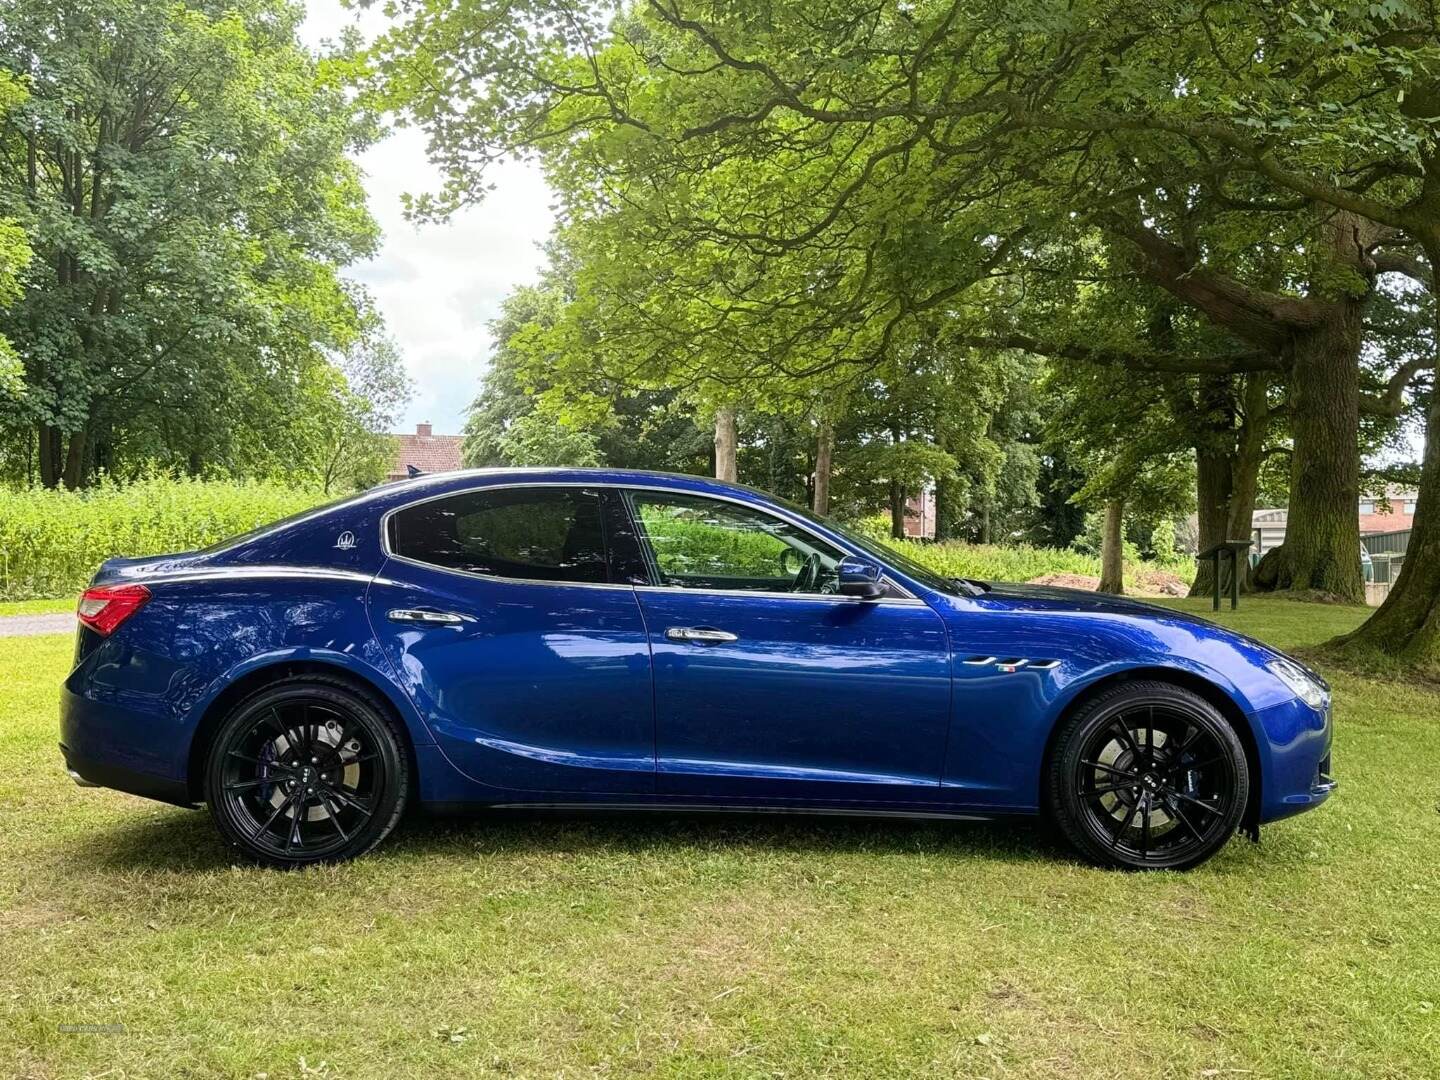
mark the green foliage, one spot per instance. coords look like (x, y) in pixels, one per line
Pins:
(686, 544)
(14, 253)
(51, 541)
(339, 432)
(182, 172)
(1017, 562)
(538, 439)
(522, 417)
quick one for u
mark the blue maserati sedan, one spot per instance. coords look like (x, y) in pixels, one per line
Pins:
(574, 637)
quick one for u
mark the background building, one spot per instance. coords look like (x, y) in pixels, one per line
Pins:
(426, 451)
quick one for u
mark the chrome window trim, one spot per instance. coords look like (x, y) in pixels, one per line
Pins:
(908, 600)
(681, 590)
(470, 574)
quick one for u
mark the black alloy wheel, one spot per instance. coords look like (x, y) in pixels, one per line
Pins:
(306, 770)
(1148, 776)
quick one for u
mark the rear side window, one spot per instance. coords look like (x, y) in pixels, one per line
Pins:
(541, 534)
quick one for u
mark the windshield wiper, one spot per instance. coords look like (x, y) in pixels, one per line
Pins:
(971, 586)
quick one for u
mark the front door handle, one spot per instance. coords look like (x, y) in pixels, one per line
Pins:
(424, 617)
(701, 635)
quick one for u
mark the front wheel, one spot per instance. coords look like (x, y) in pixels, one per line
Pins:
(1148, 776)
(306, 770)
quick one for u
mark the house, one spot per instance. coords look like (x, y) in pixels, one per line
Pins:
(425, 451)
(1390, 512)
(920, 514)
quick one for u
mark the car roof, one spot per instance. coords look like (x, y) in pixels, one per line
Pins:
(440, 483)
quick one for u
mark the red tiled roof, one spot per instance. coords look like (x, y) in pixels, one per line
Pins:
(428, 453)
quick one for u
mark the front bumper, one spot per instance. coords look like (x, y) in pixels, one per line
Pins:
(1298, 775)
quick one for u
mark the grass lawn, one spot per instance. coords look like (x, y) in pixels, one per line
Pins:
(37, 607)
(539, 946)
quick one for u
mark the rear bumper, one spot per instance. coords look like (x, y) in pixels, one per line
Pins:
(88, 773)
(113, 744)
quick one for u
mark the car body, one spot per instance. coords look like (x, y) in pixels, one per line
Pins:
(598, 683)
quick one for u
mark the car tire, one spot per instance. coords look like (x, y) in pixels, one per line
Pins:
(1147, 775)
(308, 769)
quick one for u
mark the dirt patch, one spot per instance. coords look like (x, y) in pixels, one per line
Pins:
(1159, 583)
(1067, 581)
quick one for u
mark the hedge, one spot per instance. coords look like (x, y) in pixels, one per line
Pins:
(51, 542)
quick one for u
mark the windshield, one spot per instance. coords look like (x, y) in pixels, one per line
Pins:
(923, 574)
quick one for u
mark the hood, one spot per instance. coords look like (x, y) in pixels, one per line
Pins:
(1054, 598)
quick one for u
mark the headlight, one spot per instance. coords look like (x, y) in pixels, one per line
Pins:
(1304, 685)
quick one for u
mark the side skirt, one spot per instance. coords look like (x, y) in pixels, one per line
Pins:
(593, 807)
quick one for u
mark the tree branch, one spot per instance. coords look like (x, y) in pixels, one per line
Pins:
(1391, 401)
(1232, 364)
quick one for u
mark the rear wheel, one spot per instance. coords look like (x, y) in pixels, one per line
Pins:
(1148, 776)
(306, 770)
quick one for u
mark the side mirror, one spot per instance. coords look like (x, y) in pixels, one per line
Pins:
(859, 577)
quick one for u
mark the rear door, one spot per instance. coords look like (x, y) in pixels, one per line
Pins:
(770, 686)
(524, 649)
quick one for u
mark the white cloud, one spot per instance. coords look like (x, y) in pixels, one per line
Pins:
(438, 285)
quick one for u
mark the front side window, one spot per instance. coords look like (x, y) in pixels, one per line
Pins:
(700, 543)
(541, 534)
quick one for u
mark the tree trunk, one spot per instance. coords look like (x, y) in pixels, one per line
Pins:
(726, 445)
(1406, 627)
(49, 454)
(824, 456)
(1112, 549)
(1227, 483)
(1321, 552)
(897, 510)
(944, 512)
(75, 461)
(1214, 473)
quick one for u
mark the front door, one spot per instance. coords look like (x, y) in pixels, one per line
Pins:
(769, 685)
(502, 616)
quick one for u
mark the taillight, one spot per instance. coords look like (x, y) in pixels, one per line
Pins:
(105, 607)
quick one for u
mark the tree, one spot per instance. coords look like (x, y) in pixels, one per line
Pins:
(357, 403)
(182, 173)
(14, 253)
(817, 174)
(1123, 434)
(601, 425)
(877, 169)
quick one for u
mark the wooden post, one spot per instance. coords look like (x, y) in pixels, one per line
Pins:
(1236, 549)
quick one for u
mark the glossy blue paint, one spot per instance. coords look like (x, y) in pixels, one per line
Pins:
(552, 692)
(544, 688)
(819, 697)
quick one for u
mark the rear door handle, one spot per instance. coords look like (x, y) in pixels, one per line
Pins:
(424, 617)
(701, 635)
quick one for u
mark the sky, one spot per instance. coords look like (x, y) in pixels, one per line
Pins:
(439, 285)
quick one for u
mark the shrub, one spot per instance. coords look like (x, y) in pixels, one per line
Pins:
(1022, 562)
(51, 542)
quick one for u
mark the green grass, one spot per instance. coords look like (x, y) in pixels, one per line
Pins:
(674, 947)
(65, 604)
